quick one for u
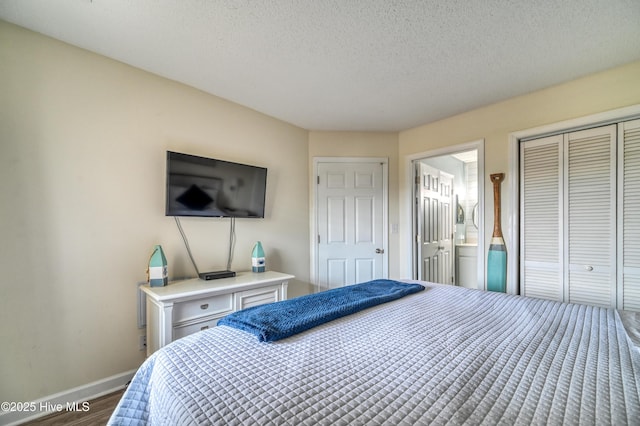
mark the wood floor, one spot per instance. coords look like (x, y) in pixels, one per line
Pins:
(98, 413)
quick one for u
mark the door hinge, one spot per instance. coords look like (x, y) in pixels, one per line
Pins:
(318, 238)
(417, 180)
(318, 180)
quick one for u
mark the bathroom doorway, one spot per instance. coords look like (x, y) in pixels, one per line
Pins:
(446, 218)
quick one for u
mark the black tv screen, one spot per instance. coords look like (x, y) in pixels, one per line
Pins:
(199, 186)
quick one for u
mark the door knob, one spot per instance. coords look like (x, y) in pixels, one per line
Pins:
(379, 251)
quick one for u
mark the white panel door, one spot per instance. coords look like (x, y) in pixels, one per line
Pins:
(590, 231)
(629, 216)
(541, 218)
(350, 223)
(568, 217)
(435, 224)
(589, 254)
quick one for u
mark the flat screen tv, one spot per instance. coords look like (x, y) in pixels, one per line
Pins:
(199, 186)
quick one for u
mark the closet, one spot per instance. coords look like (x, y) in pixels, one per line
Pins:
(580, 216)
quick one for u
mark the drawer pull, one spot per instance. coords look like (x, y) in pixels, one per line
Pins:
(205, 306)
(204, 328)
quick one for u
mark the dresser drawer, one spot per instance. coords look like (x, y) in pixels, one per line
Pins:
(184, 330)
(258, 296)
(185, 311)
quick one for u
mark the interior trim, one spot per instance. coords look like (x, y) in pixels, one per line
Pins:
(406, 269)
(79, 394)
(594, 120)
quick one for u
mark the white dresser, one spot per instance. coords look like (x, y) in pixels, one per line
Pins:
(184, 307)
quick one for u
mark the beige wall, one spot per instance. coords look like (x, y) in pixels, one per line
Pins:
(363, 144)
(82, 175)
(616, 88)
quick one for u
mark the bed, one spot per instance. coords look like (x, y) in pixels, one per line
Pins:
(445, 355)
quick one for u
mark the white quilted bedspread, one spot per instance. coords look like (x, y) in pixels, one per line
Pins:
(444, 356)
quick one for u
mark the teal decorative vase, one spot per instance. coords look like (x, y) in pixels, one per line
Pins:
(257, 258)
(158, 273)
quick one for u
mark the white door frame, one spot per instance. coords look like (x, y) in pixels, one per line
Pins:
(409, 196)
(600, 119)
(314, 210)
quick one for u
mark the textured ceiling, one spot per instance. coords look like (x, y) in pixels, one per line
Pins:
(376, 65)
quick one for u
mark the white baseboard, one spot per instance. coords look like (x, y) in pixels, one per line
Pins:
(64, 401)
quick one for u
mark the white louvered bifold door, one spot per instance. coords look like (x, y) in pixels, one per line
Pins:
(629, 216)
(590, 231)
(541, 235)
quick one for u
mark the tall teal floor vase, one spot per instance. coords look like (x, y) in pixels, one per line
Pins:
(497, 259)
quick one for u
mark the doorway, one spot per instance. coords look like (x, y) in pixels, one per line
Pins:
(446, 211)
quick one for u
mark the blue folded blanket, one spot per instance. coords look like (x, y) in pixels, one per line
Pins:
(275, 321)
